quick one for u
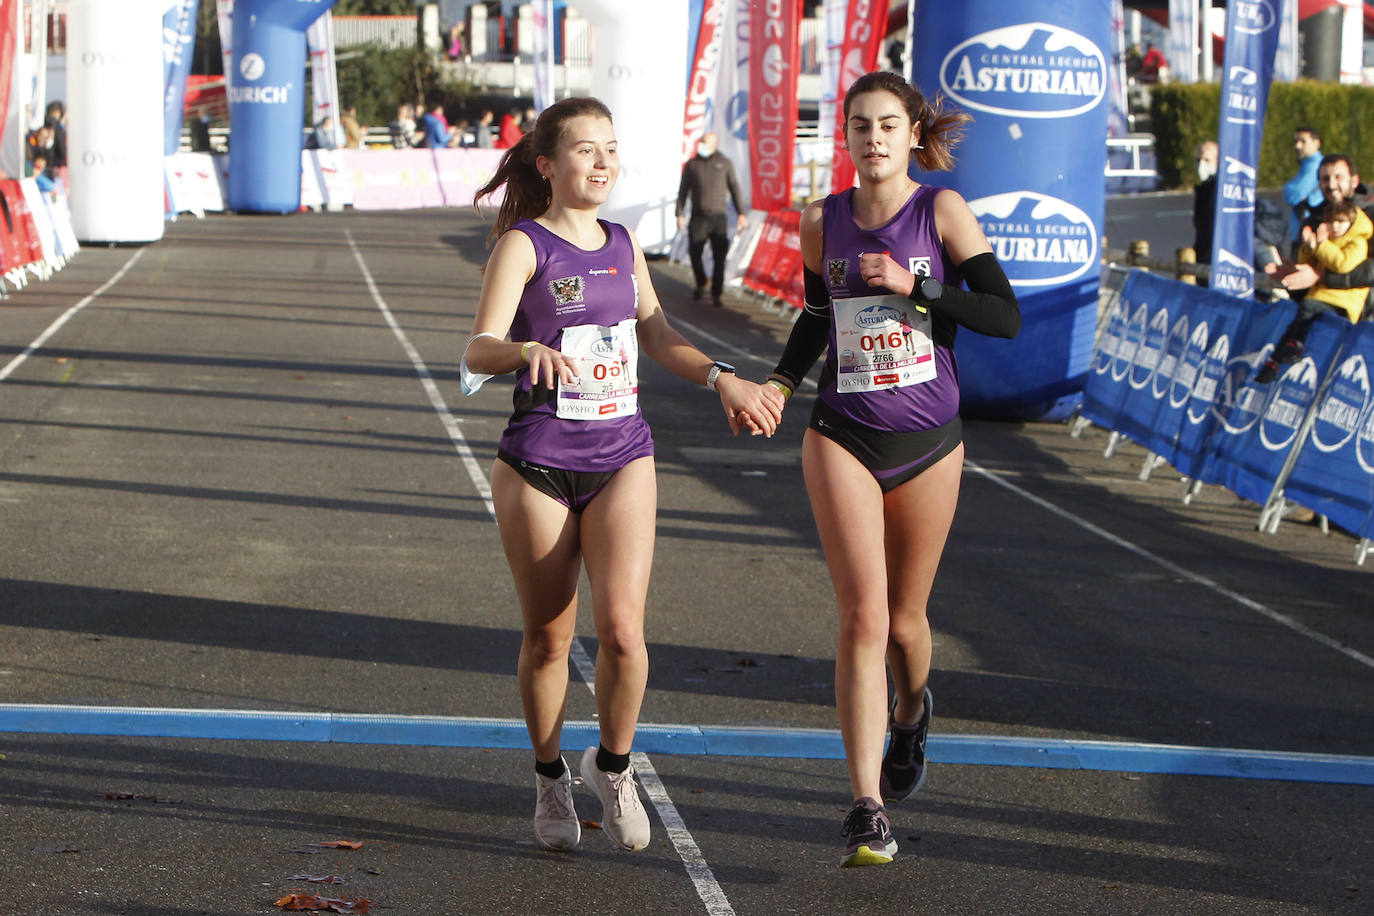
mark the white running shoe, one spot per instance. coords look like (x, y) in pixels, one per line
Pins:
(555, 819)
(623, 817)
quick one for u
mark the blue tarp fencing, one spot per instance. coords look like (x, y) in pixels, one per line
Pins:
(1173, 370)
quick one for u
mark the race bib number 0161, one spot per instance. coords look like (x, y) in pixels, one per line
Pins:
(882, 342)
(607, 365)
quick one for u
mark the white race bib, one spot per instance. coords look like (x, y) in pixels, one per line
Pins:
(881, 342)
(607, 364)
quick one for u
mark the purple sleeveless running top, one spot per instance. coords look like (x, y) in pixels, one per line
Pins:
(911, 240)
(572, 286)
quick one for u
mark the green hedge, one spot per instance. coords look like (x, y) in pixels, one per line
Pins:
(1184, 115)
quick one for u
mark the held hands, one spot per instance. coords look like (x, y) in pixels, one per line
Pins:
(548, 365)
(749, 405)
(878, 269)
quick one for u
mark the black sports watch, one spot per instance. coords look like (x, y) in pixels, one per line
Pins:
(717, 368)
(927, 289)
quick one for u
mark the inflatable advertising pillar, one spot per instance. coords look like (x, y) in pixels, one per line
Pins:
(266, 103)
(640, 71)
(1033, 74)
(114, 105)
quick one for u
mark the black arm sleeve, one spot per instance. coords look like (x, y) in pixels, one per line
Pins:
(1362, 275)
(988, 306)
(810, 332)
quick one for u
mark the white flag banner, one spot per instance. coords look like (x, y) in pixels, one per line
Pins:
(1286, 57)
(730, 114)
(541, 19)
(832, 37)
(224, 11)
(324, 81)
(1181, 48)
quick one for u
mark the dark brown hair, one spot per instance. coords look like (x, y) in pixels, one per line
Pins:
(527, 192)
(941, 128)
(1344, 209)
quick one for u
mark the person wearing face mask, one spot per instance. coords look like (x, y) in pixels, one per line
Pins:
(705, 181)
(1205, 200)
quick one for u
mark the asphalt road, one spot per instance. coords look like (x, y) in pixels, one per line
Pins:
(240, 476)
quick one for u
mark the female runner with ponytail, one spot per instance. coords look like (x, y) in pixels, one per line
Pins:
(566, 305)
(884, 263)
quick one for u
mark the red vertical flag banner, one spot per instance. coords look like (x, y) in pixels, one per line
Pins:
(774, 58)
(701, 87)
(864, 29)
(8, 23)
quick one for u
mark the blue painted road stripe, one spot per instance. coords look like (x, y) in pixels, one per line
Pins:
(722, 741)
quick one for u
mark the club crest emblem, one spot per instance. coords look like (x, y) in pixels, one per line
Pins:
(566, 290)
(835, 270)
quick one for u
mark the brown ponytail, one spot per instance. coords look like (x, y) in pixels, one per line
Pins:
(527, 193)
(941, 128)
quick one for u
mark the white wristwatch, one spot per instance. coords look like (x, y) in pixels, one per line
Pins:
(717, 368)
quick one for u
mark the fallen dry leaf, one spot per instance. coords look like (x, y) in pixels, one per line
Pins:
(317, 879)
(316, 902)
(339, 844)
(591, 825)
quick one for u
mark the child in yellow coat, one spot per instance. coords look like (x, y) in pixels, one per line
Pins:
(1338, 244)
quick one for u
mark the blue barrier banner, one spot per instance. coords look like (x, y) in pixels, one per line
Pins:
(1334, 472)
(267, 102)
(1252, 34)
(1256, 439)
(178, 46)
(1236, 401)
(1033, 73)
(1173, 367)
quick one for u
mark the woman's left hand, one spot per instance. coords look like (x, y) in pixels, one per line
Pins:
(878, 269)
(750, 405)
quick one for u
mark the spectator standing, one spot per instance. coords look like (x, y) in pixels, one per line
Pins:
(1302, 192)
(56, 118)
(402, 127)
(353, 131)
(322, 137)
(482, 130)
(437, 133)
(706, 179)
(510, 132)
(457, 48)
(40, 173)
(1205, 201)
(1152, 65)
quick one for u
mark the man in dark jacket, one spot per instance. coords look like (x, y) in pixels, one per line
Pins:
(705, 180)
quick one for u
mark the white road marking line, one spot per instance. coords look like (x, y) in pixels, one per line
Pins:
(67, 315)
(1247, 603)
(708, 889)
(436, 399)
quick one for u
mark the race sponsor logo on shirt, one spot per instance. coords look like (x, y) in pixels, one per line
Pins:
(603, 271)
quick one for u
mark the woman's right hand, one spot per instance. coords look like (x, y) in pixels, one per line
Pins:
(547, 364)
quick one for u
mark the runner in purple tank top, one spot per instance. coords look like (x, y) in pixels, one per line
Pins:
(566, 305)
(884, 263)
